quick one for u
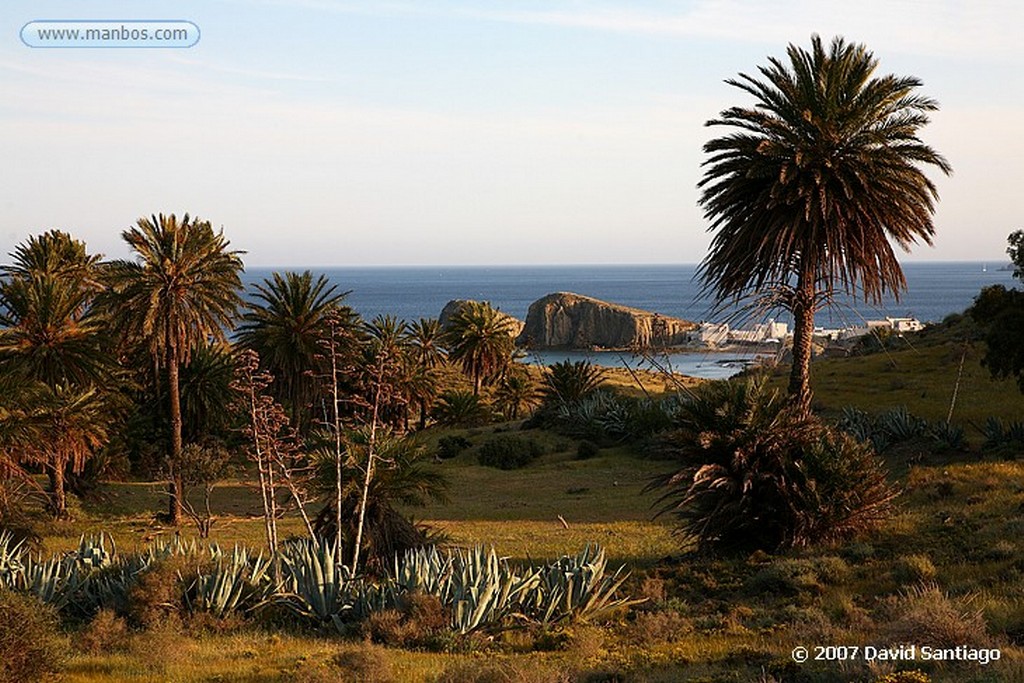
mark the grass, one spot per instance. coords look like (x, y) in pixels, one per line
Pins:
(950, 562)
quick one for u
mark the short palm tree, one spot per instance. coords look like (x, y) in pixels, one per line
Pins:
(480, 339)
(814, 184)
(181, 290)
(568, 381)
(53, 343)
(286, 324)
(517, 391)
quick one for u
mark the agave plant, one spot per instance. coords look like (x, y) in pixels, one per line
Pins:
(313, 580)
(11, 565)
(576, 586)
(486, 589)
(236, 582)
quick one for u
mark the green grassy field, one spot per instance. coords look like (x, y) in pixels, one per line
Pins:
(947, 568)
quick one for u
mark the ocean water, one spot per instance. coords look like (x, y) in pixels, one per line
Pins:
(934, 291)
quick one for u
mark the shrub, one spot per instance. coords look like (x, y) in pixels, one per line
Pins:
(366, 663)
(462, 409)
(586, 450)
(926, 616)
(785, 578)
(659, 626)
(508, 452)
(156, 599)
(913, 569)
(450, 446)
(31, 644)
(106, 632)
(757, 474)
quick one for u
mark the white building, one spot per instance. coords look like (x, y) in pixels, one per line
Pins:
(711, 333)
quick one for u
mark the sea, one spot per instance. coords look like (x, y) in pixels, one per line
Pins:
(934, 291)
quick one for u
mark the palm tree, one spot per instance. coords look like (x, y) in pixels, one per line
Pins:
(813, 184)
(425, 337)
(53, 342)
(286, 325)
(72, 425)
(516, 391)
(182, 289)
(50, 333)
(567, 381)
(480, 339)
(55, 253)
(402, 480)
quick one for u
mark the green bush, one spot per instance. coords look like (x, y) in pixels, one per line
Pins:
(31, 644)
(450, 446)
(757, 474)
(508, 452)
(586, 450)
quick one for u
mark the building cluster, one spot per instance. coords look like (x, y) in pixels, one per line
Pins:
(773, 332)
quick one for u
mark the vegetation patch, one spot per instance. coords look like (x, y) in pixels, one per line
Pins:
(508, 452)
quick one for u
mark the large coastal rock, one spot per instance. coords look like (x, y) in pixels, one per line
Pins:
(567, 320)
(455, 305)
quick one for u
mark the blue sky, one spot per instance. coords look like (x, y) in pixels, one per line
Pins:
(325, 132)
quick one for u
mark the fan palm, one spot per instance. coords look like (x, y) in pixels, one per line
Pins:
(814, 184)
(481, 340)
(286, 325)
(182, 289)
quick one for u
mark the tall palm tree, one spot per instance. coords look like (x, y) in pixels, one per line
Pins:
(481, 340)
(286, 324)
(811, 186)
(182, 289)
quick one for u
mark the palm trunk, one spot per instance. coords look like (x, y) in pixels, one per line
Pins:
(175, 488)
(58, 497)
(803, 336)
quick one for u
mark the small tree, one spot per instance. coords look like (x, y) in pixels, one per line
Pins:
(202, 465)
(1016, 252)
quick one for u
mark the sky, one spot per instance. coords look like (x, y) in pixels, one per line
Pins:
(474, 132)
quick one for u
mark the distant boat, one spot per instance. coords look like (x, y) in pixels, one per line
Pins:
(984, 268)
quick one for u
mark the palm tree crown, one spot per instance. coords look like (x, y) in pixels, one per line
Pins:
(480, 339)
(286, 325)
(182, 288)
(815, 183)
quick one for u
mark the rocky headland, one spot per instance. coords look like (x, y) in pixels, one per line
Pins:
(564, 320)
